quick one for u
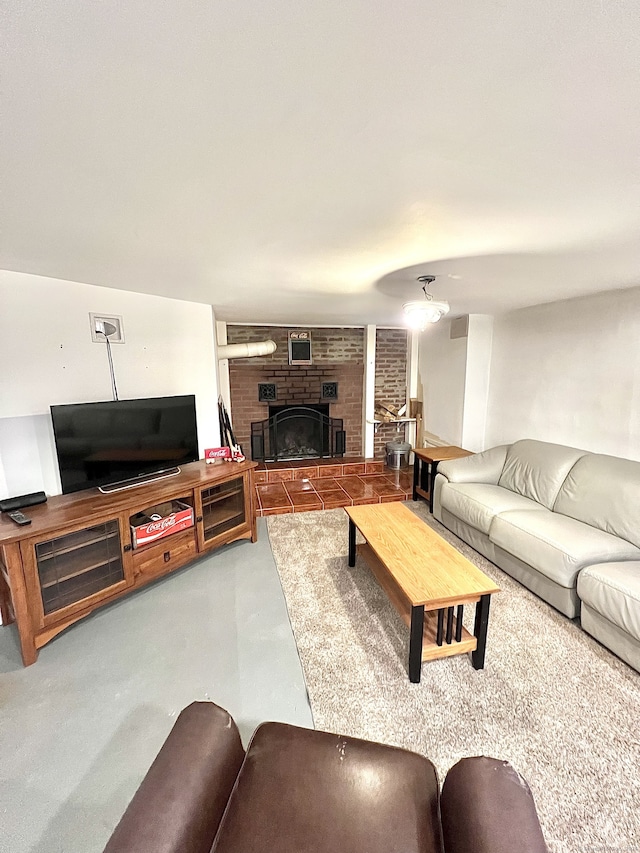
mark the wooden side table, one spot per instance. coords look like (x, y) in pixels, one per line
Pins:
(425, 468)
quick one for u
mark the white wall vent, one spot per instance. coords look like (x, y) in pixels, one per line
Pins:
(459, 327)
(106, 325)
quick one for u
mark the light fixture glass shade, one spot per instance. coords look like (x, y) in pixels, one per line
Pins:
(420, 314)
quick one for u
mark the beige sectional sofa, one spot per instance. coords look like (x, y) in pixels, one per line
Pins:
(562, 521)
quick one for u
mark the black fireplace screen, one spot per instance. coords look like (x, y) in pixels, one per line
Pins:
(297, 432)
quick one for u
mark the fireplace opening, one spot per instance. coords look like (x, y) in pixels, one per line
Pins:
(300, 432)
(297, 432)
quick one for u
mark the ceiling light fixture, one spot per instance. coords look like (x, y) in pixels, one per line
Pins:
(421, 313)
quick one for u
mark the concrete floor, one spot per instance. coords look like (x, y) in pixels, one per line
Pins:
(80, 727)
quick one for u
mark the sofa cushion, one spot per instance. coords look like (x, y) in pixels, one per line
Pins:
(477, 503)
(537, 469)
(485, 467)
(602, 491)
(613, 590)
(300, 789)
(556, 545)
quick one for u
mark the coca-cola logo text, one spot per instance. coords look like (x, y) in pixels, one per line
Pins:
(163, 524)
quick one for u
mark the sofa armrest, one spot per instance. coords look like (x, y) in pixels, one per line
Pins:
(487, 807)
(179, 805)
(485, 467)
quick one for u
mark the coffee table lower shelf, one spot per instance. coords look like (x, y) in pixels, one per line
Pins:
(431, 649)
(451, 641)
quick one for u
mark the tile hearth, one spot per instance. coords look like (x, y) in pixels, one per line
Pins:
(283, 487)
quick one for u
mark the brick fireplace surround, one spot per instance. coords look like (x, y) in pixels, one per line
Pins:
(302, 486)
(338, 356)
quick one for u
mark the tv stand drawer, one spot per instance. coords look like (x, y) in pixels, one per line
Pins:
(165, 555)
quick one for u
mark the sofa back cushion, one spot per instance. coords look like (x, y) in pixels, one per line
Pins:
(537, 469)
(603, 491)
(303, 789)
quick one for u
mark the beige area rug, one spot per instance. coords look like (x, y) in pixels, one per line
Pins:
(551, 700)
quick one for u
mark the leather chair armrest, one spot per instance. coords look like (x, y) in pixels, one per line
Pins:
(487, 807)
(485, 467)
(181, 800)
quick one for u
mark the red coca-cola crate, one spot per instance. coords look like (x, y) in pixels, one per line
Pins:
(159, 521)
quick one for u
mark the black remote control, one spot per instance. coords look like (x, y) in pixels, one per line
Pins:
(19, 517)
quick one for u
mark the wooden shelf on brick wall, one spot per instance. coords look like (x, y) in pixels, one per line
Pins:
(378, 423)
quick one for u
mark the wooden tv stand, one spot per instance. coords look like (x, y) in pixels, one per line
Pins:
(78, 553)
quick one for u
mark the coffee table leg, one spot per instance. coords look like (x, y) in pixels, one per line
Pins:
(480, 631)
(415, 643)
(416, 475)
(352, 544)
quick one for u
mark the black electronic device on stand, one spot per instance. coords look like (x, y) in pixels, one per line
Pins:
(18, 517)
(9, 504)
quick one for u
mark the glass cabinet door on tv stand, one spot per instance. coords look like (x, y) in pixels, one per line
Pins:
(77, 567)
(224, 508)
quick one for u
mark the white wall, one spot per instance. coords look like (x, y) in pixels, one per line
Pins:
(441, 382)
(569, 372)
(47, 357)
(476, 381)
(369, 391)
(222, 365)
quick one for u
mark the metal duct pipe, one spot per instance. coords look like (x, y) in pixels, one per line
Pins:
(246, 350)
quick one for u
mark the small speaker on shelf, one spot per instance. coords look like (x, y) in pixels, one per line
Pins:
(9, 504)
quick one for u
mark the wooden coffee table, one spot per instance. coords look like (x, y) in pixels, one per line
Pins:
(425, 579)
(425, 468)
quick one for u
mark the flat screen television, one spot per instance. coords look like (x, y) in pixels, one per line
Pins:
(120, 443)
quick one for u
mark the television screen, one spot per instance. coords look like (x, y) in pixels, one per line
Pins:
(102, 443)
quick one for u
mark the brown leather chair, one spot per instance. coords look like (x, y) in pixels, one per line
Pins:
(303, 791)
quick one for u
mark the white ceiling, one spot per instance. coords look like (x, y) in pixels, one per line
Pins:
(298, 162)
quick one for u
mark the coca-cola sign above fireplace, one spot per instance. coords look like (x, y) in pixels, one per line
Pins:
(300, 347)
